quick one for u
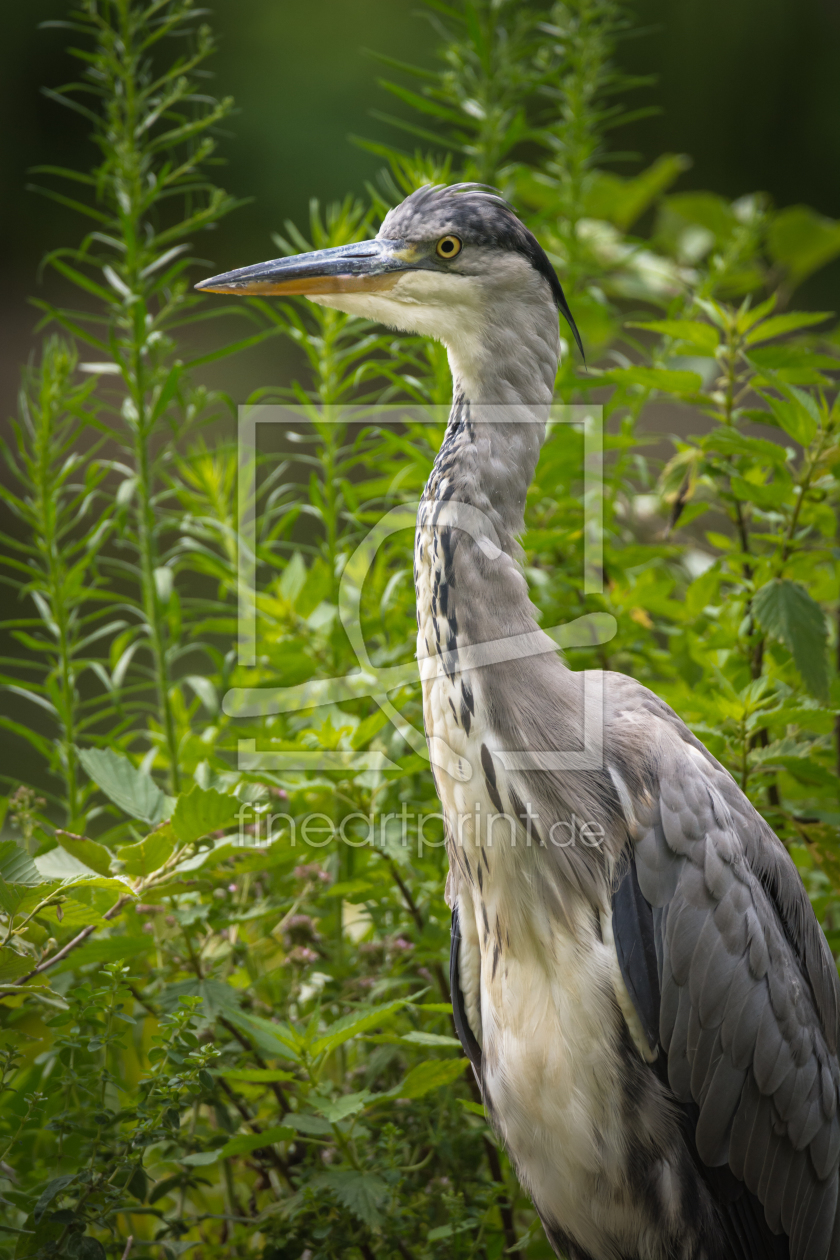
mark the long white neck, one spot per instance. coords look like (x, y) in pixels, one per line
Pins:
(503, 384)
(474, 503)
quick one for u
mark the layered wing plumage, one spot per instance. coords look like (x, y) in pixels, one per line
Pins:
(718, 946)
(747, 1010)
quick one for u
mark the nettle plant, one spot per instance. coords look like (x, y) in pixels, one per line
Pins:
(227, 1037)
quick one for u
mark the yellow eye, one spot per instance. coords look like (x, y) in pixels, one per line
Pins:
(448, 247)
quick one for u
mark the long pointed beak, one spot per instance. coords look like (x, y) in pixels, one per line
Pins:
(358, 268)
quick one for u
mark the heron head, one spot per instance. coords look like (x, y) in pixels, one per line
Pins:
(448, 262)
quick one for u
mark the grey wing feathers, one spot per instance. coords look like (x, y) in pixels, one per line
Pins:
(748, 1013)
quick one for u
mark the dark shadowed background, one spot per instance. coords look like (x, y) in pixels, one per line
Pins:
(749, 89)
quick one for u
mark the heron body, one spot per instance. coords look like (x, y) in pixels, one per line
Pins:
(637, 975)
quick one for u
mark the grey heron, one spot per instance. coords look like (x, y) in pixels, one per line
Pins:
(653, 1017)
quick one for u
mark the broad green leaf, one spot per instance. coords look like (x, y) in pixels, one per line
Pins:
(622, 201)
(351, 1025)
(95, 856)
(728, 441)
(663, 379)
(771, 495)
(39, 1239)
(165, 1186)
(16, 866)
(352, 890)
(254, 1141)
(217, 998)
(13, 965)
(362, 1193)
(702, 335)
(440, 1232)
(148, 856)
(793, 364)
(335, 1109)
(702, 590)
(474, 1108)
(749, 316)
(51, 1189)
(433, 1074)
(200, 1159)
(22, 898)
(430, 1039)
(795, 419)
(704, 209)
(256, 1076)
(778, 324)
(792, 393)
(71, 913)
(806, 770)
(802, 241)
(311, 1126)
(110, 882)
(88, 1248)
(202, 811)
(802, 712)
(690, 513)
(135, 793)
(271, 1039)
(785, 610)
(59, 865)
(369, 727)
(109, 949)
(786, 359)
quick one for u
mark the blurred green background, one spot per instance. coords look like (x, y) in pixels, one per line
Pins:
(748, 89)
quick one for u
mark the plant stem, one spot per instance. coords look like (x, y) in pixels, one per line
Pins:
(151, 603)
(71, 945)
(46, 505)
(259, 1060)
(279, 1164)
(128, 180)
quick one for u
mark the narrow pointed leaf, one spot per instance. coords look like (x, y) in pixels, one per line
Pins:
(256, 1141)
(433, 1074)
(351, 1025)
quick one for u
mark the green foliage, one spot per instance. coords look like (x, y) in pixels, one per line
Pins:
(135, 793)
(213, 1038)
(785, 610)
(150, 193)
(56, 497)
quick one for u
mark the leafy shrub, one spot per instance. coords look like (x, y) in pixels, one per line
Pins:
(214, 1039)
